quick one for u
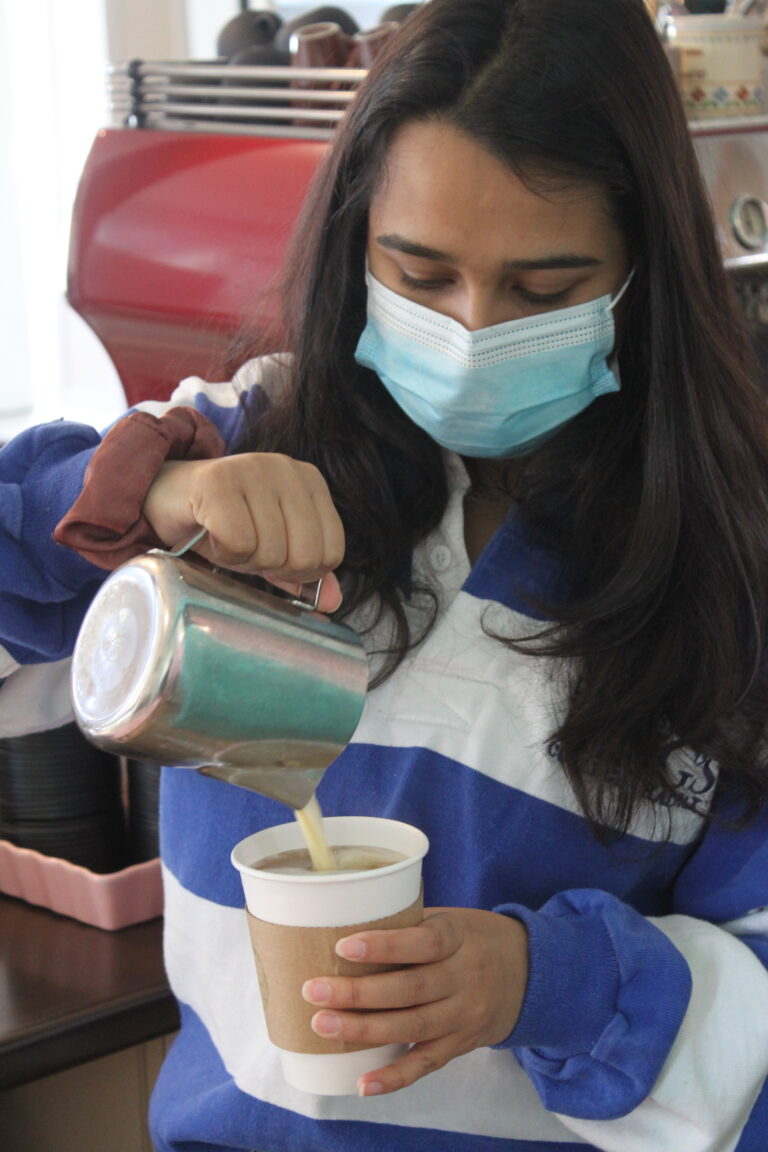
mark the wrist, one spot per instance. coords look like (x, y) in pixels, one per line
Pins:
(167, 506)
(106, 524)
(513, 963)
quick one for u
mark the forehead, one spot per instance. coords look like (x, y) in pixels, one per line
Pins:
(440, 187)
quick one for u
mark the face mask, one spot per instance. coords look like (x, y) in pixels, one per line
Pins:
(497, 392)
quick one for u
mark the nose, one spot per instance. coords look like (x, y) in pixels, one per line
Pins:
(480, 307)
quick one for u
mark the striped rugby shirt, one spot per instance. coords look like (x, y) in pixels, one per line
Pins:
(645, 1022)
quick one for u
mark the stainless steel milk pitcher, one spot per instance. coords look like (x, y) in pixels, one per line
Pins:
(191, 667)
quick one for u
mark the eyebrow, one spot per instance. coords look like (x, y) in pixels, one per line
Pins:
(566, 260)
(543, 263)
(410, 248)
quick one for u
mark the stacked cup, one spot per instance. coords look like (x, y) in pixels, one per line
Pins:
(62, 797)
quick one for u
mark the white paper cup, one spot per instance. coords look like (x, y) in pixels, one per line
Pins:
(328, 900)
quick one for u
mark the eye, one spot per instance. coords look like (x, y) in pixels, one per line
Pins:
(423, 285)
(545, 300)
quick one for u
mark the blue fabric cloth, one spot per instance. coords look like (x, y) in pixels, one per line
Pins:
(44, 588)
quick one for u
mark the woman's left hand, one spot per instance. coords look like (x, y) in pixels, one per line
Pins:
(462, 989)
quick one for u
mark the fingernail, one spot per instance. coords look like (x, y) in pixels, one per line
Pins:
(316, 991)
(351, 949)
(326, 1023)
(370, 1088)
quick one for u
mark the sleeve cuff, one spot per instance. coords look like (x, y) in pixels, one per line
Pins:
(606, 996)
(573, 982)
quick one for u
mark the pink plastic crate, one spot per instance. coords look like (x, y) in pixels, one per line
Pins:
(111, 900)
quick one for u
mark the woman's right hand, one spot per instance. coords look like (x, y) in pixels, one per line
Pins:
(263, 512)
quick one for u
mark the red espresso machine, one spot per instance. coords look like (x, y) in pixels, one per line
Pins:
(186, 202)
(185, 205)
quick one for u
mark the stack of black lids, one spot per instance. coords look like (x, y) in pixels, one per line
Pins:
(61, 796)
(143, 805)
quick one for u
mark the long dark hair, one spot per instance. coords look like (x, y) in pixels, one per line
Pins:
(656, 495)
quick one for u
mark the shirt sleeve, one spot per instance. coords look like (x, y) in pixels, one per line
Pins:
(652, 1033)
(45, 585)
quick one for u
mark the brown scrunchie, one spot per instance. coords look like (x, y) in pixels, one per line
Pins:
(106, 524)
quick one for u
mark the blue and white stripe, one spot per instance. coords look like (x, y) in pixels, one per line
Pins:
(671, 930)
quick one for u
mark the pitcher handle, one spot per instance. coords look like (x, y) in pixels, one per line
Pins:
(189, 544)
(310, 601)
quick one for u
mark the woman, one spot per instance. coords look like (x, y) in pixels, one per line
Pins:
(517, 428)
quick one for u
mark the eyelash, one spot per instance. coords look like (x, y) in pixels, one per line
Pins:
(436, 285)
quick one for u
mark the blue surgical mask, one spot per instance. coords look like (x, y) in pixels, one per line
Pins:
(497, 392)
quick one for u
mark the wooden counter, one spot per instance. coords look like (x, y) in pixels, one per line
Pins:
(71, 993)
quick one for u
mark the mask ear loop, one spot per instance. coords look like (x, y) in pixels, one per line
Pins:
(613, 361)
(307, 600)
(622, 290)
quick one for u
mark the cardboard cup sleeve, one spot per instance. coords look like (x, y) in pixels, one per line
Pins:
(287, 956)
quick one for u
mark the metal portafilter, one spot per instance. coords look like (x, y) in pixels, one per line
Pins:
(189, 666)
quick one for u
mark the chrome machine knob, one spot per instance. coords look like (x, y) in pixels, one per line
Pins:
(749, 221)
